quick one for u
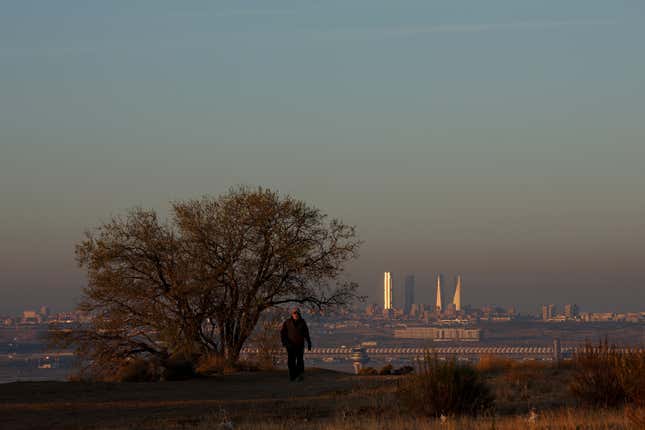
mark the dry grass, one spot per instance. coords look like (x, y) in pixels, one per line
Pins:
(523, 385)
(556, 420)
(608, 376)
(445, 387)
(325, 400)
(494, 364)
(216, 365)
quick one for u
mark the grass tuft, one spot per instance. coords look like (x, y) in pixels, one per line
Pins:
(445, 388)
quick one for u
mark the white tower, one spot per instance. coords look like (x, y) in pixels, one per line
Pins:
(387, 287)
(439, 305)
(456, 300)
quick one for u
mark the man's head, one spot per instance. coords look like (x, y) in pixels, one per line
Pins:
(295, 313)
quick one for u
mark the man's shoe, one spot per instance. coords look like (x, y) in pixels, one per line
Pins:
(300, 378)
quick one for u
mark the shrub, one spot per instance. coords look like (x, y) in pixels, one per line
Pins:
(445, 388)
(607, 376)
(404, 370)
(636, 415)
(211, 364)
(528, 373)
(386, 370)
(214, 364)
(137, 370)
(177, 369)
(368, 371)
(631, 374)
(494, 364)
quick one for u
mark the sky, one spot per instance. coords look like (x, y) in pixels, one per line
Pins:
(502, 140)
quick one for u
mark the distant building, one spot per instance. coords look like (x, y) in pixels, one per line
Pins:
(409, 294)
(44, 312)
(602, 316)
(457, 297)
(31, 317)
(450, 310)
(439, 301)
(439, 333)
(416, 310)
(387, 294)
(571, 311)
(548, 312)
(372, 309)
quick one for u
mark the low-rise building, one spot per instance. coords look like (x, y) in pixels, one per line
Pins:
(439, 333)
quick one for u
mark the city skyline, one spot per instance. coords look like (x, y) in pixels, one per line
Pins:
(480, 294)
(407, 293)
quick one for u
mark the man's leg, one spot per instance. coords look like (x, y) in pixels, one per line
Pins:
(291, 363)
(300, 362)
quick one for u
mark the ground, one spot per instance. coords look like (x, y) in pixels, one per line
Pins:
(325, 400)
(268, 395)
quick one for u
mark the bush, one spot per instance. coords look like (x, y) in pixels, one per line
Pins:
(137, 370)
(176, 369)
(368, 371)
(636, 415)
(215, 364)
(606, 376)
(405, 370)
(211, 364)
(631, 373)
(386, 370)
(494, 364)
(445, 388)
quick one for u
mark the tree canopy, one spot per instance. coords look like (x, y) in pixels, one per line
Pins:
(198, 283)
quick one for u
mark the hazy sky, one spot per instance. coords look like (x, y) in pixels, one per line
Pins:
(504, 140)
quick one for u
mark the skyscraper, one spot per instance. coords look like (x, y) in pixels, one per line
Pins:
(456, 300)
(570, 311)
(548, 312)
(409, 294)
(387, 287)
(439, 302)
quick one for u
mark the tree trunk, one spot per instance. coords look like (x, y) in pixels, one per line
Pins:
(233, 348)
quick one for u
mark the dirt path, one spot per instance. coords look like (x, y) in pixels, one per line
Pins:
(34, 405)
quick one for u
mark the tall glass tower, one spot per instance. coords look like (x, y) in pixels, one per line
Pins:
(409, 293)
(387, 287)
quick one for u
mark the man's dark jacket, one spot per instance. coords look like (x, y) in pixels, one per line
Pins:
(294, 333)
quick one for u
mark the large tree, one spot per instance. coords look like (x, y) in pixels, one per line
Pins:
(198, 283)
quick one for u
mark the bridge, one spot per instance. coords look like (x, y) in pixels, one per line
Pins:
(523, 351)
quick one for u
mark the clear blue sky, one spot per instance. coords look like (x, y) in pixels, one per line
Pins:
(502, 139)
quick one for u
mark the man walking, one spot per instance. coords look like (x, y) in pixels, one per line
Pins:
(294, 333)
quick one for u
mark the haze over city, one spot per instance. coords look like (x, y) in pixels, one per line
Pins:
(504, 143)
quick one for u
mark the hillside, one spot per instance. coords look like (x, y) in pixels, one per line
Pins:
(266, 400)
